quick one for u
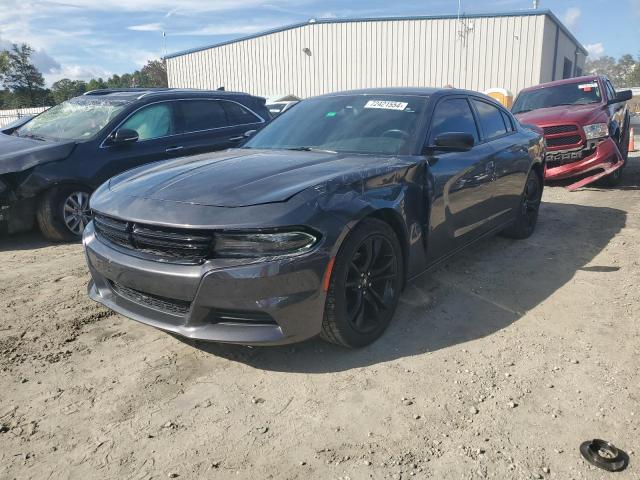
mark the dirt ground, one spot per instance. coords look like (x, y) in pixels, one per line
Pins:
(497, 365)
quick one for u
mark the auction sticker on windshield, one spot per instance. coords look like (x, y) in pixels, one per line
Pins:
(386, 104)
(588, 86)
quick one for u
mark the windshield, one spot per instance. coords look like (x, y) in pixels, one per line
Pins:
(568, 94)
(76, 119)
(374, 124)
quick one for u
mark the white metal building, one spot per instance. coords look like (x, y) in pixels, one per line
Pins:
(507, 50)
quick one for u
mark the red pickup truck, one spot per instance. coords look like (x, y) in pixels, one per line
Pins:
(585, 124)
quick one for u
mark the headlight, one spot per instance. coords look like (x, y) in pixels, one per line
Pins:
(596, 130)
(251, 245)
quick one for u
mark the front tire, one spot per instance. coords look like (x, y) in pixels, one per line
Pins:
(527, 217)
(63, 213)
(365, 286)
(613, 179)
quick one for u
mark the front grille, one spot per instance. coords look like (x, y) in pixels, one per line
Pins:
(156, 302)
(563, 141)
(169, 244)
(554, 129)
(556, 159)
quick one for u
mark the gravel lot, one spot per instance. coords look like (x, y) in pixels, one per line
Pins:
(498, 365)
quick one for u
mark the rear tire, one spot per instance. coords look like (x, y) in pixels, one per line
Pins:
(365, 285)
(63, 213)
(527, 217)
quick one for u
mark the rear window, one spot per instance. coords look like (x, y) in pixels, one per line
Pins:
(491, 120)
(237, 114)
(198, 115)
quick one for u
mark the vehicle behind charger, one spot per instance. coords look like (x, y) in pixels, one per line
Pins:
(585, 124)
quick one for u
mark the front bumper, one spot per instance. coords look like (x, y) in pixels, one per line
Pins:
(607, 158)
(16, 215)
(270, 302)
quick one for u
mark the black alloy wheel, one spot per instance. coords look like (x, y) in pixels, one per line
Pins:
(365, 285)
(527, 215)
(370, 282)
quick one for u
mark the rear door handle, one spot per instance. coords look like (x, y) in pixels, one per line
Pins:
(174, 149)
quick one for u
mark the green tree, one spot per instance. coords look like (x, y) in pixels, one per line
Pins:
(624, 72)
(64, 89)
(4, 64)
(154, 74)
(114, 81)
(96, 84)
(22, 77)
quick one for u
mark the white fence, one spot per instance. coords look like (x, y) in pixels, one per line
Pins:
(8, 116)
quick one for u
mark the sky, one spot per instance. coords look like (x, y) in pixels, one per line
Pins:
(81, 39)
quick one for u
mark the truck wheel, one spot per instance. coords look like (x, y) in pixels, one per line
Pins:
(63, 213)
(365, 286)
(613, 178)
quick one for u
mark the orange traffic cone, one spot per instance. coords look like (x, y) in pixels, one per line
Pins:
(632, 145)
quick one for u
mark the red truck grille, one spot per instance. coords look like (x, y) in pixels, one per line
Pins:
(554, 129)
(562, 136)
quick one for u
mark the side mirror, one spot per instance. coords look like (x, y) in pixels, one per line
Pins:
(452, 142)
(623, 96)
(124, 135)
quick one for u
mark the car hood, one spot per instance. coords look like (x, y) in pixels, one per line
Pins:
(580, 114)
(20, 153)
(239, 177)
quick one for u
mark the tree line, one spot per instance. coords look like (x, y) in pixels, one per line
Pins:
(23, 85)
(623, 72)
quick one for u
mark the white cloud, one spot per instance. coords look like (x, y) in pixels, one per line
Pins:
(191, 6)
(596, 50)
(146, 27)
(235, 28)
(76, 72)
(571, 17)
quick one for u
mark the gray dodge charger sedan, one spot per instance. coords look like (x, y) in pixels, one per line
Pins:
(314, 226)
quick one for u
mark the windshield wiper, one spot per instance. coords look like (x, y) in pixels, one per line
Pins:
(310, 149)
(33, 136)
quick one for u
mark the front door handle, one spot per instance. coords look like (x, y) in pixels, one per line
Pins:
(174, 149)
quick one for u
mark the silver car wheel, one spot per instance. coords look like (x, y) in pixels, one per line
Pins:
(76, 213)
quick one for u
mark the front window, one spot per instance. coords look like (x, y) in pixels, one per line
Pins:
(580, 93)
(154, 121)
(76, 119)
(371, 124)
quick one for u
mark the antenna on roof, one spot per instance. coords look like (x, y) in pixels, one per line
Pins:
(536, 4)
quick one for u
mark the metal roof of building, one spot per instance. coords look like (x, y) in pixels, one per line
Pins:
(524, 13)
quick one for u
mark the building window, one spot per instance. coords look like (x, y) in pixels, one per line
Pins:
(578, 72)
(567, 70)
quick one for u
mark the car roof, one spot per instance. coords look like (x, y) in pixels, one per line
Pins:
(134, 94)
(412, 91)
(566, 81)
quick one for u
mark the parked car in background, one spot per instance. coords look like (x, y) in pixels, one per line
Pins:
(50, 165)
(316, 223)
(586, 127)
(277, 108)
